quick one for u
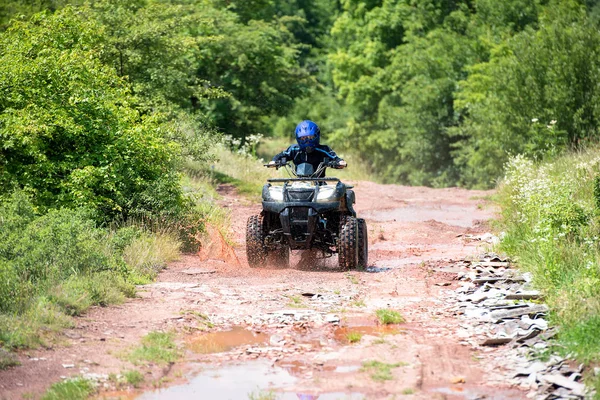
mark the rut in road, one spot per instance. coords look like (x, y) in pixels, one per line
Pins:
(312, 324)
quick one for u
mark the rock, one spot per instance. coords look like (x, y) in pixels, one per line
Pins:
(530, 310)
(560, 380)
(198, 271)
(457, 379)
(536, 367)
(332, 318)
(276, 340)
(524, 295)
(68, 365)
(496, 341)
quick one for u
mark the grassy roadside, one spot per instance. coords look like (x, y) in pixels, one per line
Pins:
(57, 265)
(551, 220)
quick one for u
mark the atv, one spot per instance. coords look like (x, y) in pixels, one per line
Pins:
(307, 212)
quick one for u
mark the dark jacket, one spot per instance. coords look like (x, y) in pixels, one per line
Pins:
(320, 154)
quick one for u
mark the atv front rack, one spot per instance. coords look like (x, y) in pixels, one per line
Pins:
(303, 179)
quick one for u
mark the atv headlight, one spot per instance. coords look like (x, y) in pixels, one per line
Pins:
(327, 193)
(276, 193)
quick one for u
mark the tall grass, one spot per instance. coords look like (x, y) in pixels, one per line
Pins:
(551, 217)
(59, 264)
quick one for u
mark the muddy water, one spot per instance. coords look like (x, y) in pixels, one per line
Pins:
(222, 341)
(242, 381)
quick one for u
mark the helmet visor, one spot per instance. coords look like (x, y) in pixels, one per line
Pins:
(306, 139)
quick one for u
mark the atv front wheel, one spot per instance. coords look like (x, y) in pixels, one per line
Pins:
(363, 244)
(255, 241)
(348, 243)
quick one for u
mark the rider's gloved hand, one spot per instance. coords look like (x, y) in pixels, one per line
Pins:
(273, 163)
(342, 164)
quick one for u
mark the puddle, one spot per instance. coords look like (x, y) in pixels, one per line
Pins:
(341, 334)
(344, 369)
(447, 214)
(222, 341)
(300, 369)
(227, 382)
(241, 381)
(324, 396)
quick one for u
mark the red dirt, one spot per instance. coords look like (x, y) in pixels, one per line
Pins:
(411, 229)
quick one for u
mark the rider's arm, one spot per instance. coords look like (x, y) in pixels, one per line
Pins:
(331, 154)
(288, 154)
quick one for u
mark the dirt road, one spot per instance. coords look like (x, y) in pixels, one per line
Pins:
(305, 332)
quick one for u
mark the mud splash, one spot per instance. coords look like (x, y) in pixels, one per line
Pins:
(222, 341)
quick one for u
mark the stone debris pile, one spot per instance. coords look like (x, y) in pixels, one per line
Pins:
(502, 308)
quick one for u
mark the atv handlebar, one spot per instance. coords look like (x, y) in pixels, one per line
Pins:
(331, 164)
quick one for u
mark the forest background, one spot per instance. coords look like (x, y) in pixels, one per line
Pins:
(113, 111)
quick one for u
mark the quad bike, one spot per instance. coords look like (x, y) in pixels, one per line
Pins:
(307, 212)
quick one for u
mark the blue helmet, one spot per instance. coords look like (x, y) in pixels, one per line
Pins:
(308, 135)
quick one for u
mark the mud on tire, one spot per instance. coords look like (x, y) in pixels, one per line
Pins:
(363, 244)
(255, 241)
(348, 243)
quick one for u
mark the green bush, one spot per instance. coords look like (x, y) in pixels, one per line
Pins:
(70, 134)
(60, 263)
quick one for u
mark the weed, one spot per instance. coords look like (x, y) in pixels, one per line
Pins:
(262, 395)
(359, 303)
(408, 391)
(352, 279)
(387, 316)
(134, 378)
(354, 337)
(157, 347)
(149, 253)
(379, 341)
(72, 389)
(380, 371)
(200, 317)
(337, 292)
(295, 302)
(7, 359)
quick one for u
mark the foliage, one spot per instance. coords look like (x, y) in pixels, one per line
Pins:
(380, 371)
(387, 316)
(134, 378)
(156, 347)
(71, 389)
(7, 360)
(551, 222)
(60, 263)
(540, 93)
(69, 135)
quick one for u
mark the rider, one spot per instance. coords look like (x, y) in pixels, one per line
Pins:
(308, 149)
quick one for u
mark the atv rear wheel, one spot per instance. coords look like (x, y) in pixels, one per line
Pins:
(255, 241)
(281, 257)
(348, 243)
(363, 244)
